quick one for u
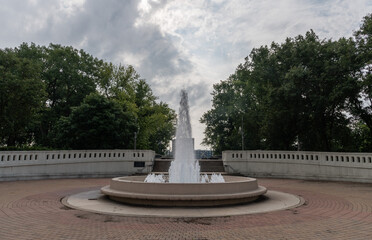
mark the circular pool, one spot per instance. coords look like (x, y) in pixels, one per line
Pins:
(133, 190)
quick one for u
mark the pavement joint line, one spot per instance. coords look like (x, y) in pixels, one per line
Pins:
(287, 202)
(331, 210)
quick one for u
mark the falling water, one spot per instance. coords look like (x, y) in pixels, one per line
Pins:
(185, 168)
(155, 178)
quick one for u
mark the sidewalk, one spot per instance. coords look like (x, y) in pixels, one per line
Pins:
(333, 210)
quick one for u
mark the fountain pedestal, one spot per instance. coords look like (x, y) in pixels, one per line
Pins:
(133, 190)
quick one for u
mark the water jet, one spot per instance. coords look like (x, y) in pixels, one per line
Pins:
(184, 186)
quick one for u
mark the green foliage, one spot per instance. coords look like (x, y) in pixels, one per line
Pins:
(61, 97)
(119, 83)
(98, 123)
(25, 148)
(21, 97)
(70, 76)
(362, 139)
(360, 104)
(302, 94)
(156, 127)
(155, 120)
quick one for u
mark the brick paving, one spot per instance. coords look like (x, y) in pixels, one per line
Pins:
(333, 210)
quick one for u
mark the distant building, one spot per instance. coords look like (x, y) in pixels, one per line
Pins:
(174, 146)
(199, 154)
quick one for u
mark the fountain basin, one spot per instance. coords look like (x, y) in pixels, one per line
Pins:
(133, 190)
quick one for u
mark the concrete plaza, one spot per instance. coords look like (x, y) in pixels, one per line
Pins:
(333, 210)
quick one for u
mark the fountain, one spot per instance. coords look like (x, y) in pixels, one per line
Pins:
(184, 168)
(185, 186)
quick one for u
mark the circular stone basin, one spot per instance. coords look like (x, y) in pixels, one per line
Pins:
(134, 190)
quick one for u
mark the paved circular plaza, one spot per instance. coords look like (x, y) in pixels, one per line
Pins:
(332, 210)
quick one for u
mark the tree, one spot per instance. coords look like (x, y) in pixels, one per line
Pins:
(222, 122)
(361, 102)
(158, 128)
(70, 75)
(119, 83)
(290, 95)
(45, 89)
(322, 81)
(155, 120)
(98, 123)
(21, 97)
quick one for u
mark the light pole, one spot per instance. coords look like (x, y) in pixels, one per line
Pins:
(135, 140)
(135, 135)
(242, 135)
(241, 128)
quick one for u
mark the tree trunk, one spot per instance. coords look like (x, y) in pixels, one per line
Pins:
(10, 141)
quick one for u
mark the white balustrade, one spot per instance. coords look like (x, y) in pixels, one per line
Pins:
(338, 166)
(16, 165)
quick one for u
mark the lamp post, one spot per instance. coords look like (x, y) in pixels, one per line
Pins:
(135, 140)
(242, 135)
(135, 135)
(241, 128)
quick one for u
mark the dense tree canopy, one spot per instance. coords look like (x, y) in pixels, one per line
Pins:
(61, 97)
(22, 94)
(305, 93)
(98, 123)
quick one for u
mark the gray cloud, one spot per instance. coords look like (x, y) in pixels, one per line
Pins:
(105, 29)
(174, 44)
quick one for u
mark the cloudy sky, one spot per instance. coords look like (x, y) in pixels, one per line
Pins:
(176, 44)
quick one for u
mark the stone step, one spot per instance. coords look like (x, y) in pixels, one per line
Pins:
(206, 165)
(209, 173)
(161, 165)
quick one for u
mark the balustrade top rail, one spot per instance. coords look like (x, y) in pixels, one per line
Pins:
(26, 157)
(323, 157)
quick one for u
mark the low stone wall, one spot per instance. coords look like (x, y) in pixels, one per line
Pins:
(25, 165)
(334, 166)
